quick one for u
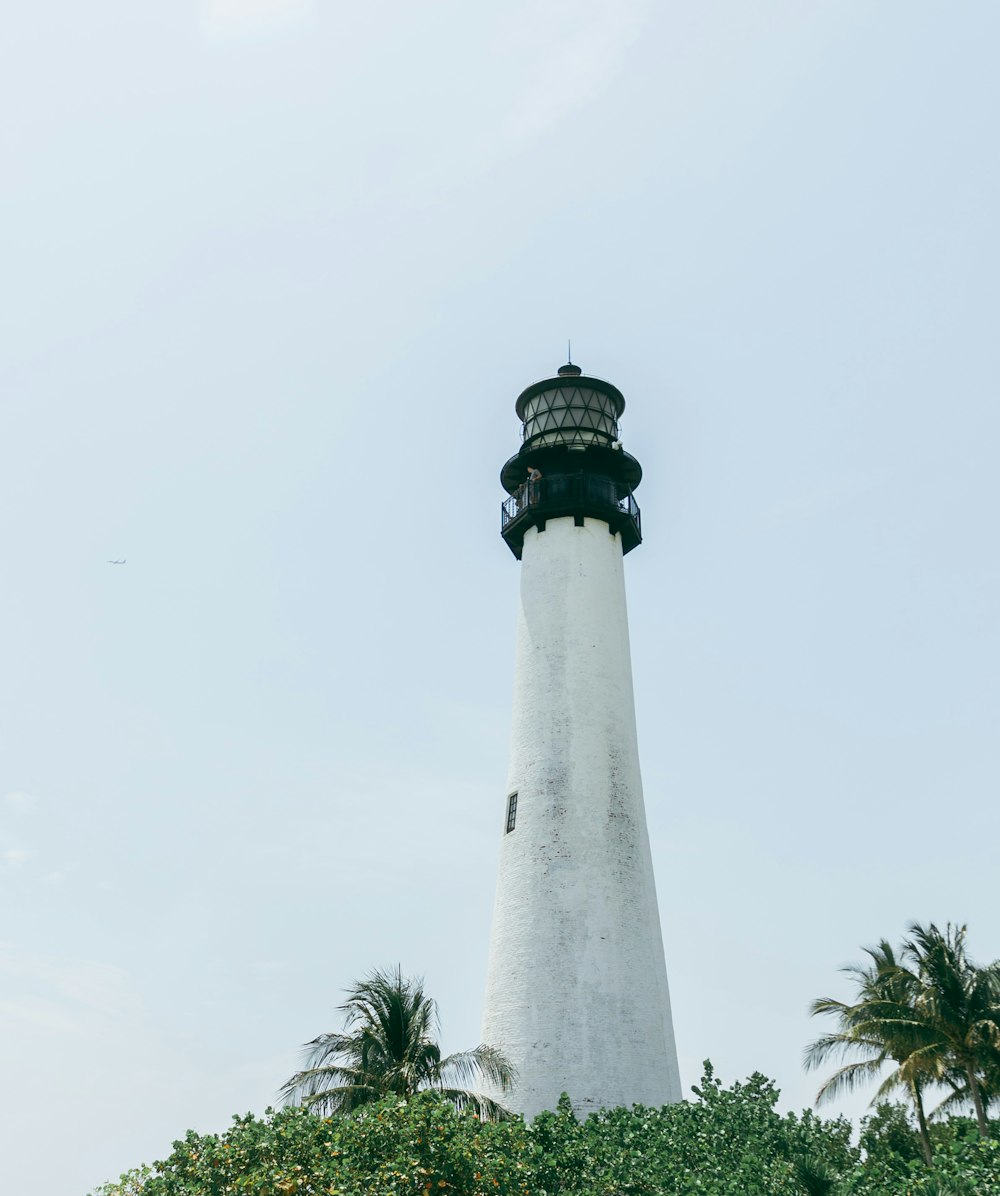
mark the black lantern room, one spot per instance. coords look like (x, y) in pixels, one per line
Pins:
(571, 461)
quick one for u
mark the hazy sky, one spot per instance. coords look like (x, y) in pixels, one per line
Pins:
(272, 274)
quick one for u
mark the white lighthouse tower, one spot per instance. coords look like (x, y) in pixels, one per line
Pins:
(577, 989)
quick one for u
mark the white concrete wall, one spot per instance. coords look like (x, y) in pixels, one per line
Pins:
(577, 988)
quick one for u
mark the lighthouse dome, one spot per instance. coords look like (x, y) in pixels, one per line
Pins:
(570, 410)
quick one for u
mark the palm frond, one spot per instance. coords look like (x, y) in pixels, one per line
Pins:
(306, 1083)
(484, 1106)
(482, 1062)
(329, 1046)
(814, 1177)
(346, 1098)
(849, 1077)
(832, 1046)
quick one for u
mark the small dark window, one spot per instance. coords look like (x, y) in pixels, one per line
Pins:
(511, 812)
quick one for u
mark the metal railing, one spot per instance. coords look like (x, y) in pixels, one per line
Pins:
(566, 492)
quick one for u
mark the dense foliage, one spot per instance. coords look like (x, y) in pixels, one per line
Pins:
(923, 1019)
(726, 1142)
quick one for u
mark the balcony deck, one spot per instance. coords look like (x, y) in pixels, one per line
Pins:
(578, 494)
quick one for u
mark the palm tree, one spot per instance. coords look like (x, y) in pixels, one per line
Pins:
(958, 1003)
(814, 1177)
(881, 1026)
(388, 1048)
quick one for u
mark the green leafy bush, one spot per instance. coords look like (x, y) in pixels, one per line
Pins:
(726, 1142)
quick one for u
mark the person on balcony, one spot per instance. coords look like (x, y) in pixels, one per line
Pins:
(534, 490)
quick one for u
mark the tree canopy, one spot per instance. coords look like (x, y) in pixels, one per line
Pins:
(389, 1048)
(378, 1111)
(923, 1017)
(725, 1141)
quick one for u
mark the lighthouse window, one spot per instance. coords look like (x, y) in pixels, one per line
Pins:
(511, 812)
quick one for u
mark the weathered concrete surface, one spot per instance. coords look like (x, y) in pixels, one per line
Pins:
(577, 989)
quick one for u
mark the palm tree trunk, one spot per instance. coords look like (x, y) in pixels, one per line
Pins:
(925, 1138)
(977, 1100)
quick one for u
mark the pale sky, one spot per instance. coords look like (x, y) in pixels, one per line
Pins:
(273, 274)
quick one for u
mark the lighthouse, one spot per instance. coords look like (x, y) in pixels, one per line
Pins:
(576, 992)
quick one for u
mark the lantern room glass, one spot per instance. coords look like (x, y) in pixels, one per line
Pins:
(570, 415)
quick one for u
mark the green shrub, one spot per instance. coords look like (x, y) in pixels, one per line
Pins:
(726, 1142)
